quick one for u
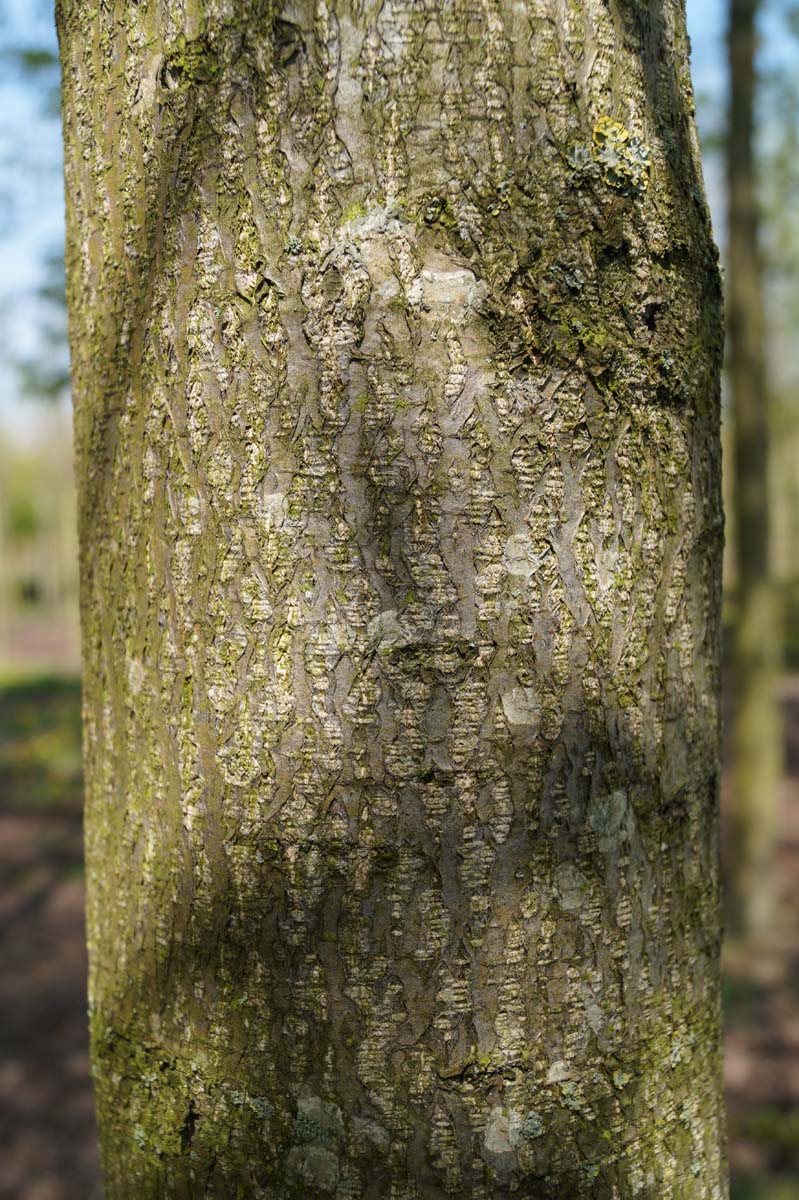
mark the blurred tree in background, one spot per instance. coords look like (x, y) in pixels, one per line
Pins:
(761, 192)
(757, 734)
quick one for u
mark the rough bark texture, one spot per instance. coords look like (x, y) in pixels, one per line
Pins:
(396, 337)
(757, 733)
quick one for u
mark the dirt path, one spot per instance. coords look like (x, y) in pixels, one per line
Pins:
(48, 1138)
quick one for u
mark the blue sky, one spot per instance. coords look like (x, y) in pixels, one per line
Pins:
(31, 192)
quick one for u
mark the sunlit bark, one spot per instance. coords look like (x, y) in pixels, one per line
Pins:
(396, 334)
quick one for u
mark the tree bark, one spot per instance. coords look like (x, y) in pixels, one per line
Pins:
(396, 333)
(756, 729)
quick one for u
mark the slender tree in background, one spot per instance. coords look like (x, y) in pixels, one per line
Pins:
(756, 730)
(396, 335)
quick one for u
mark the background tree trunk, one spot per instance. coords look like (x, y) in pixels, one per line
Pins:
(396, 336)
(757, 735)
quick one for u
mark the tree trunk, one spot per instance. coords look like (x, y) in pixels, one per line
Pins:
(396, 337)
(756, 728)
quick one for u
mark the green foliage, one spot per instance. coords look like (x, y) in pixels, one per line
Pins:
(740, 996)
(36, 67)
(762, 1187)
(33, 59)
(791, 614)
(22, 517)
(40, 732)
(775, 1129)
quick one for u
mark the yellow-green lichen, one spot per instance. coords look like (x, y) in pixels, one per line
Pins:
(189, 62)
(622, 158)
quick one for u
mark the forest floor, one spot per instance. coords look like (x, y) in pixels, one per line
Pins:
(47, 1136)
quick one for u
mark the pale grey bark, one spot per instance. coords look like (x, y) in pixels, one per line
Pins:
(395, 337)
